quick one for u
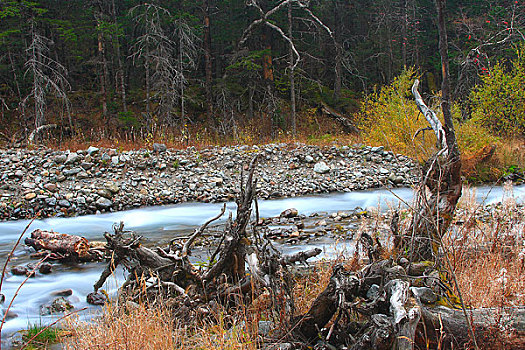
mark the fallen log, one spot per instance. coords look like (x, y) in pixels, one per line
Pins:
(63, 246)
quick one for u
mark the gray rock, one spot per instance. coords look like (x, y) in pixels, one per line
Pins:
(51, 201)
(114, 160)
(64, 203)
(321, 168)
(289, 213)
(71, 172)
(373, 292)
(72, 158)
(92, 150)
(159, 147)
(83, 175)
(309, 159)
(399, 180)
(379, 149)
(62, 293)
(103, 203)
(60, 159)
(58, 305)
(86, 165)
(19, 173)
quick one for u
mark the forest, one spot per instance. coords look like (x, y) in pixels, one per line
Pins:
(245, 71)
(126, 123)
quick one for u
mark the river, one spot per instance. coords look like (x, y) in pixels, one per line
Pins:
(158, 225)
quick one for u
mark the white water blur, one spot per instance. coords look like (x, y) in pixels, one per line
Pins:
(161, 223)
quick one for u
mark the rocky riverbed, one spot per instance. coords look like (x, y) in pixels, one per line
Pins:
(45, 182)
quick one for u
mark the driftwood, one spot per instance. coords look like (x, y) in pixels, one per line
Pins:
(167, 274)
(384, 307)
(61, 246)
(345, 123)
(35, 133)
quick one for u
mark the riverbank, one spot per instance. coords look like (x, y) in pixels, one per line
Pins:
(46, 182)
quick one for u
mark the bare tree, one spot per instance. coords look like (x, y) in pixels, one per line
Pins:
(164, 59)
(48, 75)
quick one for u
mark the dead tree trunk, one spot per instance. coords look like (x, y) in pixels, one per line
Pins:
(440, 186)
(61, 246)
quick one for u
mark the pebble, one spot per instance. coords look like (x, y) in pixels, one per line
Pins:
(101, 179)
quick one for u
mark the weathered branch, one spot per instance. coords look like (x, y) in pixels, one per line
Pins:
(35, 133)
(431, 117)
(199, 231)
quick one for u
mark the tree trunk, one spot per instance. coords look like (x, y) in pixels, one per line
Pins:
(120, 74)
(440, 186)
(208, 59)
(338, 52)
(103, 72)
(292, 71)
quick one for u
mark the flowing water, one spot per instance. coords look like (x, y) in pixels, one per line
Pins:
(157, 225)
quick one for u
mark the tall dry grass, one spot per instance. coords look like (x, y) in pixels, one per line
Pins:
(487, 251)
(142, 328)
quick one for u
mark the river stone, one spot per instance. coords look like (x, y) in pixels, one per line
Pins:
(289, 213)
(114, 160)
(321, 168)
(51, 187)
(30, 196)
(103, 203)
(19, 173)
(10, 315)
(72, 158)
(96, 298)
(51, 201)
(217, 181)
(86, 165)
(159, 147)
(45, 268)
(113, 188)
(104, 192)
(73, 171)
(19, 270)
(399, 180)
(61, 158)
(62, 293)
(92, 150)
(378, 149)
(373, 292)
(309, 159)
(64, 203)
(58, 305)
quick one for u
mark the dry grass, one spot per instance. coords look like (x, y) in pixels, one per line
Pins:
(487, 251)
(141, 328)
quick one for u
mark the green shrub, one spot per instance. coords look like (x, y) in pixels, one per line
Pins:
(498, 102)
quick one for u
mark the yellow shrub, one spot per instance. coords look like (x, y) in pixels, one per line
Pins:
(389, 117)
